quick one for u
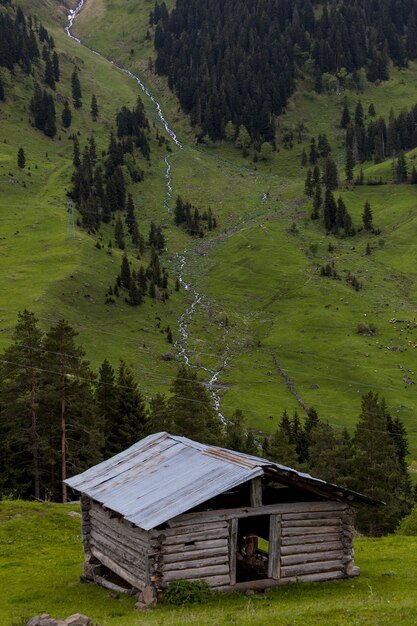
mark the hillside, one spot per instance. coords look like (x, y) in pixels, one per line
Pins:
(280, 311)
(265, 324)
(45, 538)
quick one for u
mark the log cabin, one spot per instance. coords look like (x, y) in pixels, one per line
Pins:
(169, 508)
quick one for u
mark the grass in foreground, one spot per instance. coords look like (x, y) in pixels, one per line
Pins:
(40, 565)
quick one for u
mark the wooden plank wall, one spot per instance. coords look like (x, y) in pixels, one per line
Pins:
(192, 551)
(118, 545)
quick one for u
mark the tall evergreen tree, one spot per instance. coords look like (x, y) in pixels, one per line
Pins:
(94, 108)
(192, 410)
(377, 468)
(21, 422)
(66, 115)
(76, 89)
(367, 218)
(21, 159)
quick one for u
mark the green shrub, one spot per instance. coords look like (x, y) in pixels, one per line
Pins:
(408, 526)
(187, 592)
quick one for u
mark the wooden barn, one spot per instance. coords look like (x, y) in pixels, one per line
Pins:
(169, 508)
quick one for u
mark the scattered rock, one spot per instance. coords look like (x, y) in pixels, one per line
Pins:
(249, 592)
(73, 620)
(78, 620)
(141, 606)
(148, 596)
(74, 514)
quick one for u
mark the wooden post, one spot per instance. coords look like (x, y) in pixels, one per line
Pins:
(232, 549)
(256, 492)
(274, 558)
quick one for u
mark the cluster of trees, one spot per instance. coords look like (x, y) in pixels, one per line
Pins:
(42, 107)
(18, 41)
(372, 461)
(193, 220)
(135, 285)
(57, 417)
(244, 70)
(99, 189)
(380, 139)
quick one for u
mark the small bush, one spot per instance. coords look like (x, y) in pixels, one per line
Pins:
(408, 526)
(187, 592)
(368, 330)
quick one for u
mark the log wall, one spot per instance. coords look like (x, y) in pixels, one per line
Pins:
(121, 547)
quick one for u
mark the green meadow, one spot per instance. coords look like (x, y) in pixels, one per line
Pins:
(264, 306)
(41, 562)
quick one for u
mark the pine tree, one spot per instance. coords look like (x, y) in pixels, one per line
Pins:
(119, 234)
(281, 447)
(76, 153)
(76, 439)
(316, 203)
(125, 274)
(345, 120)
(55, 63)
(350, 164)
(401, 172)
(314, 155)
(66, 115)
(367, 218)
(371, 110)
(2, 95)
(130, 214)
(21, 425)
(329, 211)
(192, 410)
(377, 469)
(308, 185)
(359, 114)
(94, 108)
(330, 174)
(236, 432)
(106, 401)
(76, 89)
(131, 419)
(160, 418)
(21, 159)
(49, 71)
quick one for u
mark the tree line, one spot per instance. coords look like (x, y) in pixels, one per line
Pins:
(195, 221)
(244, 70)
(58, 417)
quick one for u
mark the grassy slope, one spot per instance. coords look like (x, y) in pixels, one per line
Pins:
(275, 300)
(41, 268)
(44, 539)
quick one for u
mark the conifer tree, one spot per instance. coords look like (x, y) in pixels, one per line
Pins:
(345, 120)
(377, 469)
(281, 446)
(236, 432)
(192, 410)
(106, 400)
(367, 218)
(76, 153)
(350, 164)
(49, 71)
(55, 63)
(21, 424)
(66, 115)
(76, 89)
(125, 274)
(160, 418)
(94, 108)
(359, 114)
(316, 203)
(131, 420)
(330, 174)
(76, 439)
(21, 159)
(308, 185)
(119, 234)
(329, 211)
(2, 95)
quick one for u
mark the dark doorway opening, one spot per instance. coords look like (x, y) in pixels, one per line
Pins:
(252, 549)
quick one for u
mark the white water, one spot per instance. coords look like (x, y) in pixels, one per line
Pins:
(186, 318)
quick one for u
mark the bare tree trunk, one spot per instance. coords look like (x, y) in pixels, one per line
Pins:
(63, 444)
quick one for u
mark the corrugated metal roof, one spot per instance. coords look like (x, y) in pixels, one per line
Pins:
(163, 476)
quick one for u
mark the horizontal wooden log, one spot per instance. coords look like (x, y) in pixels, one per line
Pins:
(121, 539)
(310, 530)
(311, 547)
(117, 569)
(316, 578)
(197, 572)
(98, 539)
(302, 515)
(135, 532)
(117, 530)
(226, 514)
(178, 565)
(103, 582)
(311, 568)
(323, 521)
(120, 559)
(203, 535)
(194, 554)
(198, 545)
(192, 528)
(301, 539)
(312, 557)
